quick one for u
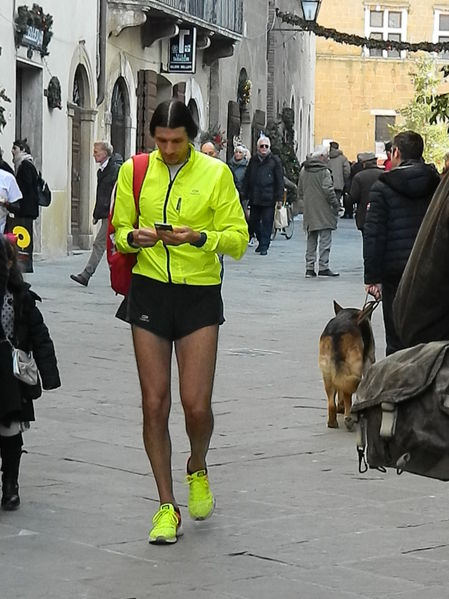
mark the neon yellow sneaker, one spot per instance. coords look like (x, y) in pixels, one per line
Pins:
(166, 525)
(201, 500)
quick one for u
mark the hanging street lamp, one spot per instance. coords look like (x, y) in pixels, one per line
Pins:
(310, 9)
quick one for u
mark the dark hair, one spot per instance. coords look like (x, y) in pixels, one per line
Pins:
(334, 144)
(22, 144)
(410, 144)
(172, 114)
(15, 278)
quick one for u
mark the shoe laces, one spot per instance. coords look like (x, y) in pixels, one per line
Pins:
(198, 481)
(167, 513)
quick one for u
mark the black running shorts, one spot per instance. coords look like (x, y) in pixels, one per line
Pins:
(173, 311)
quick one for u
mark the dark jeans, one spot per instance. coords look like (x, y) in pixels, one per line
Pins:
(261, 222)
(391, 337)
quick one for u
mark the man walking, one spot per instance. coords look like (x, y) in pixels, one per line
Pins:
(263, 187)
(106, 177)
(316, 192)
(189, 214)
(361, 185)
(398, 202)
(341, 171)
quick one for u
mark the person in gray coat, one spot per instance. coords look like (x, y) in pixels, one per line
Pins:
(341, 172)
(316, 191)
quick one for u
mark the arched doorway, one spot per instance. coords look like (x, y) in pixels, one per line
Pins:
(82, 120)
(120, 117)
(79, 101)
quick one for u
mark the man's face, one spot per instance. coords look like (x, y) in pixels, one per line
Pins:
(263, 147)
(173, 144)
(209, 149)
(99, 154)
(15, 151)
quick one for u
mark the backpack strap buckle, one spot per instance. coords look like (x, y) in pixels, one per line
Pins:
(389, 418)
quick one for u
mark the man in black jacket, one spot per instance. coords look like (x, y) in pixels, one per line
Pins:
(263, 187)
(361, 184)
(398, 202)
(106, 177)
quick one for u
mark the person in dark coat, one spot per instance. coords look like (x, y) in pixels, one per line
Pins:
(263, 187)
(398, 202)
(22, 327)
(361, 185)
(238, 164)
(106, 177)
(26, 176)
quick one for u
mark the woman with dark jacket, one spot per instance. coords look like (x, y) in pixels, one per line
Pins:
(22, 327)
(26, 176)
(238, 164)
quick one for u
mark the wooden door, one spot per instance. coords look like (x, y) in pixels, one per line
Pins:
(76, 177)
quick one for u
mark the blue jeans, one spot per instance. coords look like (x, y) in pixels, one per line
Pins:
(261, 222)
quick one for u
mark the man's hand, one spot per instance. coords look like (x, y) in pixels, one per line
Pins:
(374, 289)
(145, 238)
(178, 236)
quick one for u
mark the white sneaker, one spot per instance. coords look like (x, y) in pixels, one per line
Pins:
(252, 242)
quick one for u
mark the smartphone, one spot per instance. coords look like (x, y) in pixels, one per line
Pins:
(163, 227)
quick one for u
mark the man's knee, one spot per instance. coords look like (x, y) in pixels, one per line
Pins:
(198, 414)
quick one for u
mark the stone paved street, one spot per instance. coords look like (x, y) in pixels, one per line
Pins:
(294, 519)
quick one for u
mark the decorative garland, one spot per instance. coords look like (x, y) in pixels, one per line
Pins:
(33, 17)
(357, 40)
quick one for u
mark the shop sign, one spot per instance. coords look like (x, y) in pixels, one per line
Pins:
(182, 51)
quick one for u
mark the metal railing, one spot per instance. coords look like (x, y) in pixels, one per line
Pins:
(222, 13)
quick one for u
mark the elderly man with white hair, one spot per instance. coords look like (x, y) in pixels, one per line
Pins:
(263, 187)
(109, 166)
(316, 190)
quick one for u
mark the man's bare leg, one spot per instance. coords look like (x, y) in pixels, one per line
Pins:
(153, 356)
(196, 355)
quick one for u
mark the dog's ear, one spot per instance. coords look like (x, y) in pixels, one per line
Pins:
(337, 308)
(366, 312)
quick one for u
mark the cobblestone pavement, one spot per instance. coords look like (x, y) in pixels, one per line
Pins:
(294, 519)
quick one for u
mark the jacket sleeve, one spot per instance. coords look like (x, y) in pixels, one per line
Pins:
(124, 215)
(375, 235)
(43, 350)
(301, 186)
(279, 174)
(329, 191)
(346, 171)
(230, 233)
(355, 191)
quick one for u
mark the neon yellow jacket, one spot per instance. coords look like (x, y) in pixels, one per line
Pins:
(203, 197)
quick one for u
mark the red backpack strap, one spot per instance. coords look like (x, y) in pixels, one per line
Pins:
(140, 167)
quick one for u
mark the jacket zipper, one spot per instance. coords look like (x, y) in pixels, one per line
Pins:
(164, 212)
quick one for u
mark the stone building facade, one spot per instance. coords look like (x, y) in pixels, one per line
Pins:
(115, 60)
(358, 91)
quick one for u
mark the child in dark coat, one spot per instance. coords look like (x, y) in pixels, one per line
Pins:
(21, 326)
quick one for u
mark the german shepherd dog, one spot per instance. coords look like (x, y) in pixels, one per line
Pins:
(346, 351)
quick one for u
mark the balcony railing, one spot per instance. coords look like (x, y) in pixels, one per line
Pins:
(222, 13)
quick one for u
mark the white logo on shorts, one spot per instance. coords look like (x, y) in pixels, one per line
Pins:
(144, 318)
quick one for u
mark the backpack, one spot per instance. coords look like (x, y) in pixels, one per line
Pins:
(121, 265)
(402, 407)
(43, 191)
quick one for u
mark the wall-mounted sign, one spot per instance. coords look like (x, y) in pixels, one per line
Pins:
(33, 37)
(182, 51)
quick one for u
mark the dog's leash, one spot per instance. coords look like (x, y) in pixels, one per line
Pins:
(375, 303)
